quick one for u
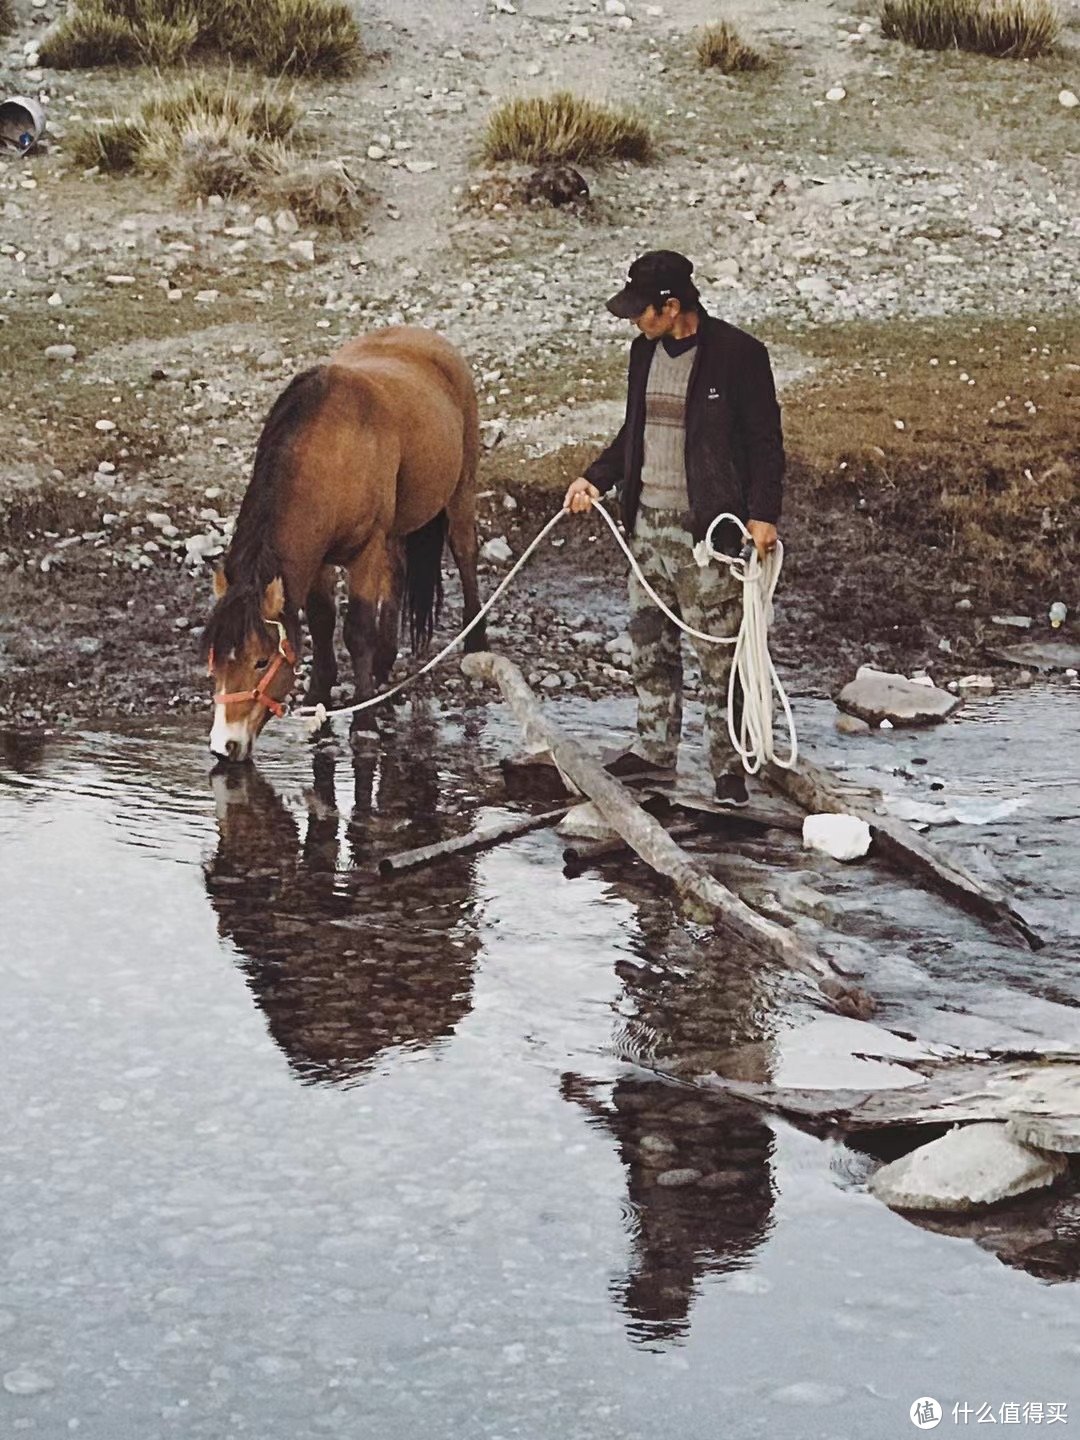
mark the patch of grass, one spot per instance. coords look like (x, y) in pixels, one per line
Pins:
(1007, 29)
(564, 127)
(294, 37)
(7, 16)
(720, 47)
(986, 468)
(212, 138)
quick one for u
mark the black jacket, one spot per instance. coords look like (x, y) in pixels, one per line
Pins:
(734, 443)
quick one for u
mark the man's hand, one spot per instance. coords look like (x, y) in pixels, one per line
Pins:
(763, 535)
(580, 495)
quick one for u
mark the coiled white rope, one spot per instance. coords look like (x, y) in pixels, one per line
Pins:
(752, 665)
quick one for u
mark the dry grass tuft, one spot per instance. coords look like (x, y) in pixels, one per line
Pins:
(1007, 29)
(295, 37)
(720, 47)
(209, 138)
(7, 16)
(564, 127)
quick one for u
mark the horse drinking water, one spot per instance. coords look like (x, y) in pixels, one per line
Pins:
(366, 463)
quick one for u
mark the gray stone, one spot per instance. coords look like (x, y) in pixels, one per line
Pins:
(26, 1381)
(877, 695)
(1013, 622)
(60, 352)
(1045, 655)
(497, 550)
(676, 1179)
(851, 725)
(1047, 1115)
(970, 1166)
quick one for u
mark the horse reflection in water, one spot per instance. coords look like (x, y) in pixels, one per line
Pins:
(345, 967)
(698, 1170)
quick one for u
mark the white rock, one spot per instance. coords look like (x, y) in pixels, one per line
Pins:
(844, 837)
(119, 279)
(1068, 99)
(60, 352)
(1047, 1113)
(304, 250)
(975, 682)
(497, 550)
(264, 225)
(55, 299)
(585, 822)
(286, 222)
(836, 93)
(376, 152)
(421, 167)
(105, 425)
(614, 7)
(974, 1165)
(878, 695)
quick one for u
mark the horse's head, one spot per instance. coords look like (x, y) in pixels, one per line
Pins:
(252, 662)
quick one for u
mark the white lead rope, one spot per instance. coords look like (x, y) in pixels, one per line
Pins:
(752, 665)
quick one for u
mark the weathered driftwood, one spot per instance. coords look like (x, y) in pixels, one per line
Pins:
(479, 839)
(651, 841)
(816, 791)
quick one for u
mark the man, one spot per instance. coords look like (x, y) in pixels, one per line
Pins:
(701, 436)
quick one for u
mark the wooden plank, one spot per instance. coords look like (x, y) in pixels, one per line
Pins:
(817, 791)
(481, 838)
(651, 841)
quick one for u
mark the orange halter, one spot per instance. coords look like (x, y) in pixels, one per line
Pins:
(285, 655)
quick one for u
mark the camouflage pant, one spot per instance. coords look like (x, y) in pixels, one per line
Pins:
(706, 598)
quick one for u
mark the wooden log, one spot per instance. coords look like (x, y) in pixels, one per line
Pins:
(816, 791)
(651, 841)
(481, 838)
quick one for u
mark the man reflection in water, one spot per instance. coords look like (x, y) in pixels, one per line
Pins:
(698, 1174)
(345, 967)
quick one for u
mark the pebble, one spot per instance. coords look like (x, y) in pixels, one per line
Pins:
(60, 352)
(376, 152)
(497, 550)
(105, 425)
(26, 1381)
(676, 1179)
(1068, 99)
(836, 93)
(286, 222)
(304, 250)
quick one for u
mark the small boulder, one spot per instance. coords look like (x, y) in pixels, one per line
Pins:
(970, 1166)
(851, 725)
(877, 695)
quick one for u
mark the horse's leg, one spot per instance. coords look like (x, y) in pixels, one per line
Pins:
(370, 582)
(461, 533)
(388, 624)
(321, 612)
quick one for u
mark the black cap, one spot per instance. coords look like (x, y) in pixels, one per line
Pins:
(654, 277)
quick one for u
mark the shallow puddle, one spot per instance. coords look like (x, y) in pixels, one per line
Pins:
(294, 1151)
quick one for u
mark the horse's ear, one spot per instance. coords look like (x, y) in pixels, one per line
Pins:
(220, 584)
(274, 599)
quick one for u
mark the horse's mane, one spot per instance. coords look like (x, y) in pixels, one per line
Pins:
(252, 560)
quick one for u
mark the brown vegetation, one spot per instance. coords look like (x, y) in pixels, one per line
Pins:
(7, 16)
(297, 37)
(1008, 29)
(564, 127)
(719, 47)
(212, 138)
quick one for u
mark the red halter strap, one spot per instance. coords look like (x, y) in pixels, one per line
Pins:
(285, 655)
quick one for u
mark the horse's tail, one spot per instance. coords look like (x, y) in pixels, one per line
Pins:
(423, 580)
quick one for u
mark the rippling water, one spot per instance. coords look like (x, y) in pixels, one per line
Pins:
(293, 1151)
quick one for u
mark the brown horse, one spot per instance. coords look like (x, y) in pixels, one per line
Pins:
(366, 463)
